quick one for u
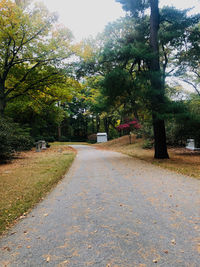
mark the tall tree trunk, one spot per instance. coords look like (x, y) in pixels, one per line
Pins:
(2, 106)
(98, 123)
(2, 99)
(86, 127)
(59, 132)
(93, 127)
(156, 84)
(106, 125)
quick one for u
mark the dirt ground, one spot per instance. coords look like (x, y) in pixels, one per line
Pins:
(181, 160)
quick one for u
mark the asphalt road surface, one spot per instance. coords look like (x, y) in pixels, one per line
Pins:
(110, 210)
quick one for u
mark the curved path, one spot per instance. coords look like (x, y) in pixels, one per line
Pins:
(110, 210)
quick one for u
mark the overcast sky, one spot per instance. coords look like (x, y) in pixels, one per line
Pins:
(88, 17)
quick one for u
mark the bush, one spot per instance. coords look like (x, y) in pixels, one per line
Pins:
(13, 138)
(146, 130)
(113, 133)
(6, 149)
(38, 138)
(92, 138)
(64, 139)
(21, 142)
(148, 144)
(50, 139)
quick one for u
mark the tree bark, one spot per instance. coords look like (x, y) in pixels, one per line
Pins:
(59, 132)
(97, 123)
(157, 88)
(106, 125)
(93, 126)
(2, 106)
(86, 127)
(2, 99)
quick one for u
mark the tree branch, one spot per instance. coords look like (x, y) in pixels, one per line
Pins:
(194, 86)
(31, 86)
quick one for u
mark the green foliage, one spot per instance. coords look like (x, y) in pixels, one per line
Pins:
(13, 138)
(134, 6)
(113, 133)
(32, 50)
(6, 148)
(116, 84)
(92, 138)
(184, 121)
(21, 139)
(146, 130)
(148, 144)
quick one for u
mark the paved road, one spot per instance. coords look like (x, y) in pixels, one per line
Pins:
(110, 210)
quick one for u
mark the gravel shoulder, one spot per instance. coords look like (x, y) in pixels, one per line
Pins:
(110, 210)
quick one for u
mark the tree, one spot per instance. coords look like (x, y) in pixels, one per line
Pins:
(32, 50)
(128, 126)
(137, 8)
(43, 112)
(156, 83)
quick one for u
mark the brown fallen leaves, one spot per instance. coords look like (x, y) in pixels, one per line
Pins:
(173, 241)
(7, 248)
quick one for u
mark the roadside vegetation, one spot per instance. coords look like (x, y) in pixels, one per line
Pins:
(181, 160)
(68, 143)
(28, 178)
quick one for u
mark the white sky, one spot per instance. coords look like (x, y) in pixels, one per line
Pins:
(88, 17)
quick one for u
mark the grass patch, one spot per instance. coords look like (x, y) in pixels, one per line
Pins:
(27, 179)
(181, 160)
(68, 143)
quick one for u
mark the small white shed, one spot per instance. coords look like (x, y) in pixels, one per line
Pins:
(191, 145)
(102, 137)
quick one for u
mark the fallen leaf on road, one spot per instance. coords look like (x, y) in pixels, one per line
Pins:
(64, 263)
(166, 251)
(13, 233)
(173, 241)
(7, 248)
(46, 214)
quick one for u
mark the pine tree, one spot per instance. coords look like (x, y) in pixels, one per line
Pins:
(137, 8)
